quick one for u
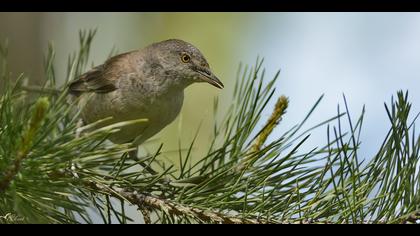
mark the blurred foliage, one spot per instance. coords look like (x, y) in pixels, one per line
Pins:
(214, 33)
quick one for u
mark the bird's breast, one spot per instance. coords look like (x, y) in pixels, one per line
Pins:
(130, 103)
(159, 106)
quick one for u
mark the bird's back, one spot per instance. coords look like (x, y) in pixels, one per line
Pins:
(103, 78)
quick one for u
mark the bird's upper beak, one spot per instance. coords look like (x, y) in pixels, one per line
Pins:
(209, 77)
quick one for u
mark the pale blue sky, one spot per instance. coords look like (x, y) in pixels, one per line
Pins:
(367, 56)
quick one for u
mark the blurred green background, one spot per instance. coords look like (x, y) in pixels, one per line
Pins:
(215, 34)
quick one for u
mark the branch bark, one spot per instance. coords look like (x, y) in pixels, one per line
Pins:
(152, 202)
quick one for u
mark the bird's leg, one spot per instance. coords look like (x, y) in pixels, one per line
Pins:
(133, 155)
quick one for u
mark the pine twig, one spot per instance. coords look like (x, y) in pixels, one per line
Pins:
(153, 202)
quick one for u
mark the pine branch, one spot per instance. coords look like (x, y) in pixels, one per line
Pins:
(148, 202)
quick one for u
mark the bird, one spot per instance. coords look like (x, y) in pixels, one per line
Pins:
(146, 83)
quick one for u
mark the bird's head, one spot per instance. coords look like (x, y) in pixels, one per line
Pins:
(183, 63)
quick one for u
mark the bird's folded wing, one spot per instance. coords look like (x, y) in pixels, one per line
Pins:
(100, 79)
(92, 81)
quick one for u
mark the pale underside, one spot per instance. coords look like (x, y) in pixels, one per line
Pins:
(159, 111)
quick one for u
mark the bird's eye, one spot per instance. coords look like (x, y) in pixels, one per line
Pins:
(185, 58)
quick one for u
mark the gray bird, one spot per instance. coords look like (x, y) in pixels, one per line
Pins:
(147, 83)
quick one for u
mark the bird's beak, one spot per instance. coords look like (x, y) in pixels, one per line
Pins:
(209, 77)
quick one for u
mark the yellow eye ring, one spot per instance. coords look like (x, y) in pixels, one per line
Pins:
(185, 58)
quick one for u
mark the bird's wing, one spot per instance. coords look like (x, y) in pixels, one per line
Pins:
(102, 78)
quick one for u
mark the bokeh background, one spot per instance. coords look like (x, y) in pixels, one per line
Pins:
(366, 56)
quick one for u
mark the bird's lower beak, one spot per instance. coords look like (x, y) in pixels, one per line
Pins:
(210, 78)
